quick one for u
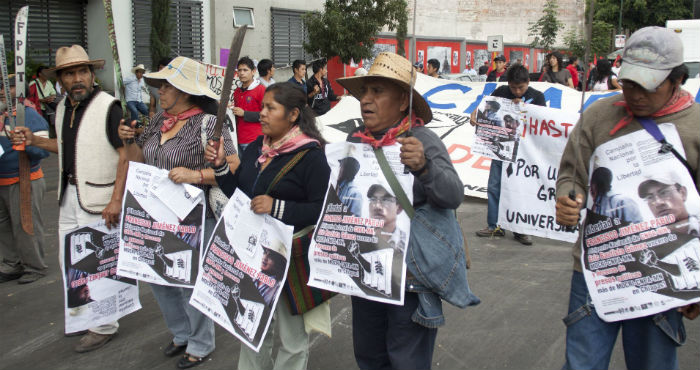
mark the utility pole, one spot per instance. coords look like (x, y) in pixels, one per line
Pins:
(619, 24)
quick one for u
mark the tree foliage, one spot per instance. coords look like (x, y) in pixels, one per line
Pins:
(160, 30)
(348, 28)
(601, 40)
(546, 29)
(637, 14)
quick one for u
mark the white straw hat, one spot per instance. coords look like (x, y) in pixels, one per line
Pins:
(186, 75)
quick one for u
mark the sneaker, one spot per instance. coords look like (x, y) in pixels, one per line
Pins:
(92, 341)
(490, 233)
(523, 239)
(29, 277)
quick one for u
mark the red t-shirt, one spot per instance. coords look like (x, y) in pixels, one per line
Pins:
(574, 74)
(250, 100)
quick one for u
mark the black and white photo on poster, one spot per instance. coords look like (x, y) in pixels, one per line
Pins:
(498, 130)
(93, 292)
(162, 224)
(360, 242)
(641, 253)
(243, 271)
(442, 54)
(377, 49)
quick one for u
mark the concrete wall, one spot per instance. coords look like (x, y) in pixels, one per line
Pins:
(477, 19)
(257, 42)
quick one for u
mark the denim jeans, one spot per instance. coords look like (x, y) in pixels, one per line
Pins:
(385, 337)
(187, 324)
(494, 193)
(648, 342)
(135, 107)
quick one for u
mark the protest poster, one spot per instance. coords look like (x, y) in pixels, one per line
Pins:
(498, 129)
(641, 252)
(94, 294)
(162, 224)
(215, 79)
(528, 185)
(244, 269)
(359, 245)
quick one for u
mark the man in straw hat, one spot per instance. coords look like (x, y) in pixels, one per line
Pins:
(134, 87)
(651, 79)
(91, 158)
(384, 335)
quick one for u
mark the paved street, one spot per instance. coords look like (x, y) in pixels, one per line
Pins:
(524, 292)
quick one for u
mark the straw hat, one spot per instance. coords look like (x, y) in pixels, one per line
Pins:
(72, 56)
(397, 69)
(184, 74)
(139, 67)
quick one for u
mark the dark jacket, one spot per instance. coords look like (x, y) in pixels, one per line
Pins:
(321, 102)
(298, 196)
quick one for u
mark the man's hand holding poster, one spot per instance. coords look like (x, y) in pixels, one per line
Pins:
(359, 245)
(94, 293)
(528, 184)
(162, 224)
(244, 269)
(641, 253)
(498, 129)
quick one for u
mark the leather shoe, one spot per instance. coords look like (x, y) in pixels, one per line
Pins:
(92, 341)
(187, 362)
(173, 350)
(29, 277)
(9, 277)
(75, 334)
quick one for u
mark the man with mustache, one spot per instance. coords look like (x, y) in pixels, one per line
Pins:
(91, 158)
(665, 196)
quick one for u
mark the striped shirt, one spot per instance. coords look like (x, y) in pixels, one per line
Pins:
(185, 149)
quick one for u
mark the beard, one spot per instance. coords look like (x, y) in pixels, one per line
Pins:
(77, 97)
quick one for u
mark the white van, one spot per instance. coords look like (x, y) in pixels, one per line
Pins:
(689, 31)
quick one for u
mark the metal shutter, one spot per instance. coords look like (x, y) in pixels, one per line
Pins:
(186, 35)
(288, 36)
(52, 24)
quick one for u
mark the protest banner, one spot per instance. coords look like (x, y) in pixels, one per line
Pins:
(359, 245)
(215, 79)
(162, 224)
(94, 294)
(452, 103)
(641, 252)
(244, 269)
(498, 127)
(528, 185)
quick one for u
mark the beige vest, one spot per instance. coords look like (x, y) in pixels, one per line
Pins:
(95, 158)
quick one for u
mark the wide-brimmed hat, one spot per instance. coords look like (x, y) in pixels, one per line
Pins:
(394, 68)
(649, 56)
(72, 56)
(139, 67)
(186, 75)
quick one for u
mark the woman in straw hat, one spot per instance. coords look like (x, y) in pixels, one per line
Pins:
(386, 335)
(289, 134)
(173, 141)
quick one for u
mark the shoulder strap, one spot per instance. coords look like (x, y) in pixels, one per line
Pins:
(394, 182)
(653, 129)
(287, 167)
(38, 86)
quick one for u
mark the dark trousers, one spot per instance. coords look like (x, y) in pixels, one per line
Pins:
(384, 337)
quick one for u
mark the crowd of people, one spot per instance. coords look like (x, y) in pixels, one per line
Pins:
(277, 134)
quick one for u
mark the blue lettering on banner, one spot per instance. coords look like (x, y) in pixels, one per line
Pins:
(464, 89)
(553, 96)
(488, 89)
(697, 96)
(593, 98)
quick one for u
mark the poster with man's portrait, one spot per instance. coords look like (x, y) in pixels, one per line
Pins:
(641, 252)
(360, 243)
(455, 58)
(498, 129)
(443, 54)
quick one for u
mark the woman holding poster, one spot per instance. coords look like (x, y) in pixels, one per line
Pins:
(291, 145)
(173, 141)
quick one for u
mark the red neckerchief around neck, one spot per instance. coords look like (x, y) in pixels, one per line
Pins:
(679, 101)
(390, 137)
(171, 120)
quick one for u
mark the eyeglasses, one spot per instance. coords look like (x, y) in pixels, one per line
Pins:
(386, 201)
(662, 195)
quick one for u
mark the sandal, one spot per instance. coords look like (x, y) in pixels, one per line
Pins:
(187, 361)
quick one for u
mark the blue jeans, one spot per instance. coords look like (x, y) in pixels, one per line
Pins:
(135, 107)
(187, 324)
(385, 337)
(648, 342)
(494, 193)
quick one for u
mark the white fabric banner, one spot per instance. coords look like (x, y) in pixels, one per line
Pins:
(244, 270)
(359, 245)
(452, 102)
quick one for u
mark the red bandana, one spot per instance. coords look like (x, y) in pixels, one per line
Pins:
(171, 120)
(679, 101)
(390, 137)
